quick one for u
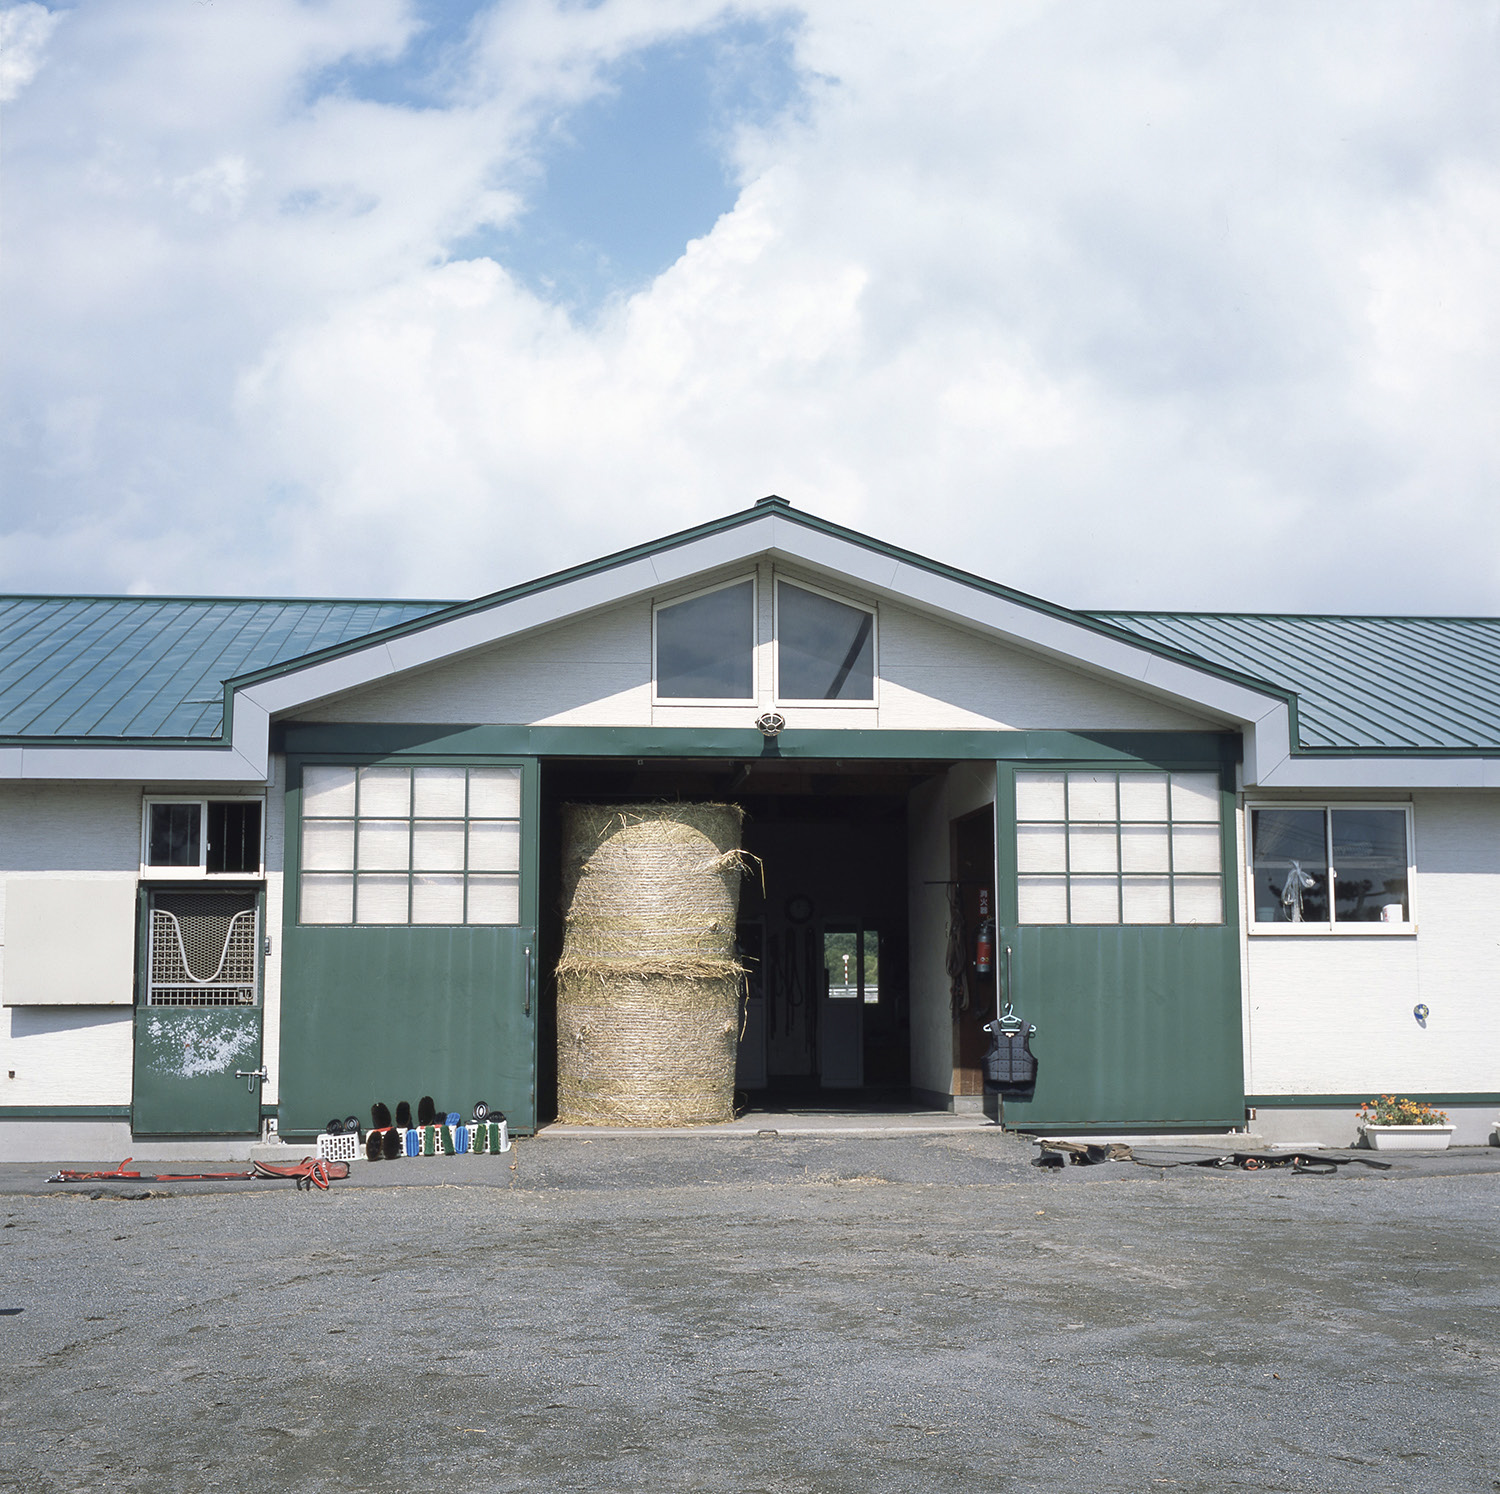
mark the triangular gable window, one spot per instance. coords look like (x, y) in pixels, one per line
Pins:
(705, 645)
(825, 648)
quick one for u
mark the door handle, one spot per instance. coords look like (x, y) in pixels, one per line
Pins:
(530, 981)
(252, 1077)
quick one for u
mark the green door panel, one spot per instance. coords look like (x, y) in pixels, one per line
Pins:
(395, 1013)
(185, 1063)
(1137, 1026)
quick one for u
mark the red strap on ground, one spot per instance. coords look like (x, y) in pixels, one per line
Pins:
(67, 1175)
(309, 1173)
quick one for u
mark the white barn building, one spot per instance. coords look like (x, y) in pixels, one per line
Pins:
(264, 862)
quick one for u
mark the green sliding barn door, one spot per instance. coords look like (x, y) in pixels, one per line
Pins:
(409, 964)
(1120, 942)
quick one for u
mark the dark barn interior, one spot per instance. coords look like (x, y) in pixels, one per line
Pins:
(822, 920)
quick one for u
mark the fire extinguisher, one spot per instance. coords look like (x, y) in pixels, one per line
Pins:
(984, 941)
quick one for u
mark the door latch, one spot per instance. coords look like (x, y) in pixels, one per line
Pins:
(252, 1077)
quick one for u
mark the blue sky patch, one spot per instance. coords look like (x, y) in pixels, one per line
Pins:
(614, 189)
(625, 181)
(422, 76)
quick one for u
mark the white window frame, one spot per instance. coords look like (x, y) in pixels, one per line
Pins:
(1334, 928)
(688, 596)
(200, 872)
(846, 601)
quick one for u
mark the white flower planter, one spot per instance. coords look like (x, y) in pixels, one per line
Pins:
(1407, 1138)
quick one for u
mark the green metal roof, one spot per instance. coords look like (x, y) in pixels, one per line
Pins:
(153, 668)
(1386, 684)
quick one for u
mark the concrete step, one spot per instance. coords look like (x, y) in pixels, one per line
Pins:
(819, 1123)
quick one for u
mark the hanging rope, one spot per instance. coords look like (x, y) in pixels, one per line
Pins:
(957, 959)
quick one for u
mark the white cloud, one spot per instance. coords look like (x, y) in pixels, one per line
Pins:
(24, 30)
(1170, 304)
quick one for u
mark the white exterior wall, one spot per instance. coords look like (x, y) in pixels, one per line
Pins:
(929, 864)
(931, 808)
(83, 1054)
(67, 1055)
(595, 670)
(1332, 1014)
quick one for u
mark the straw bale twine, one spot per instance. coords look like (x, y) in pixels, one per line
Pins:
(648, 985)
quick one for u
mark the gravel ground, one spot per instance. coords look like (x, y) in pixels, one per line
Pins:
(861, 1314)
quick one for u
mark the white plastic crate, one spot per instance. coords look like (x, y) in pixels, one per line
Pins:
(488, 1137)
(344, 1147)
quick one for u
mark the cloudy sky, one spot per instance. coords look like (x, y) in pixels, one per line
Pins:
(1179, 305)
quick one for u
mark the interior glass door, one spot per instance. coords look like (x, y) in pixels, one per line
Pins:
(841, 1008)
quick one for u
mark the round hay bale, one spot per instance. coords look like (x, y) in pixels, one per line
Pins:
(648, 985)
(657, 882)
(646, 1050)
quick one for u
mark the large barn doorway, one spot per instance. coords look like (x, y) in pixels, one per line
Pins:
(822, 922)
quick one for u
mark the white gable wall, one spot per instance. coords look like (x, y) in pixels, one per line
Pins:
(595, 670)
(933, 676)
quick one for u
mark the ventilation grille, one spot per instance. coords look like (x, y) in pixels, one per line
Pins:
(202, 950)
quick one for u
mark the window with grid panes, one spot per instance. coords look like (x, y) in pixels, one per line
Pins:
(417, 845)
(1118, 847)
